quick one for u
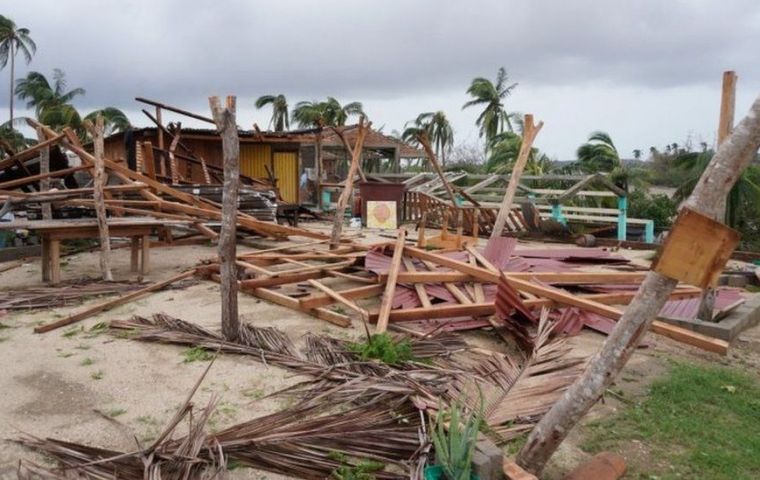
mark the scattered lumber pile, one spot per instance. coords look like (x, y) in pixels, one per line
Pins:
(420, 291)
(156, 199)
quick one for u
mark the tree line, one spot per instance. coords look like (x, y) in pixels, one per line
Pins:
(50, 98)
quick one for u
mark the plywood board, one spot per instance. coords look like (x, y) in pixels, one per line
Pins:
(696, 250)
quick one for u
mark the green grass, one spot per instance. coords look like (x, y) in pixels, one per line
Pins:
(97, 375)
(697, 423)
(72, 331)
(115, 412)
(87, 362)
(196, 354)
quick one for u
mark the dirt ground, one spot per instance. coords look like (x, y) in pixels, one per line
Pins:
(65, 383)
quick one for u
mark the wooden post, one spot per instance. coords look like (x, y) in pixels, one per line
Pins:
(227, 127)
(173, 167)
(725, 125)
(529, 135)
(345, 195)
(425, 142)
(390, 284)
(47, 211)
(99, 183)
(340, 132)
(725, 168)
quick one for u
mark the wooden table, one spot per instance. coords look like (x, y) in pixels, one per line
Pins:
(51, 233)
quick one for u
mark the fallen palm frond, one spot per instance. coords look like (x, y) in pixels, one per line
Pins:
(306, 441)
(517, 393)
(194, 456)
(364, 381)
(68, 293)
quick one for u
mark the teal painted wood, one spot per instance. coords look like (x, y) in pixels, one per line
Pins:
(649, 231)
(557, 214)
(435, 472)
(622, 229)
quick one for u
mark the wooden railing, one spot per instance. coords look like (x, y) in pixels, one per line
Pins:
(474, 219)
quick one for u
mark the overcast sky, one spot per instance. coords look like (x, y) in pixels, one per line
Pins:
(646, 71)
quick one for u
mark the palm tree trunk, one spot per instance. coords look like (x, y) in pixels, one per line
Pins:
(721, 174)
(13, 67)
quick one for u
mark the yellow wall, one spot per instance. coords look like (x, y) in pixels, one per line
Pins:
(253, 158)
(286, 171)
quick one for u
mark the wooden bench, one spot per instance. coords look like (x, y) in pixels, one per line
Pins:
(51, 233)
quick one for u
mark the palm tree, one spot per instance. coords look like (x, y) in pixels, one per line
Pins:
(503, 155)
(114, 120)
(438, 130)
(280, 118)
(494, 116)
(324, 114)
(12, 41)
(745, 194)
(598, 154)
(52, 104)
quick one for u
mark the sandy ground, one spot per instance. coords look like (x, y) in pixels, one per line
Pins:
(53, 385)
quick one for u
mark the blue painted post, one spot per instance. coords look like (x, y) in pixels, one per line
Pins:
(649, 231)
(622, 230)
(557, 213)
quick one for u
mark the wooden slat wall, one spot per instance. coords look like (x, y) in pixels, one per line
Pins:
(286, 172)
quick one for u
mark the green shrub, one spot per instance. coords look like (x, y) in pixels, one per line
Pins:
(383, 347)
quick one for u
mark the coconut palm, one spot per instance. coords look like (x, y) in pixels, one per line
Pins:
(326, 113)
(743, 196)
(280, 119)
(12, 41)
(12, 140)
(598, 154)
(494, 116)
(503, 155)
(52, 104)
(438, 130)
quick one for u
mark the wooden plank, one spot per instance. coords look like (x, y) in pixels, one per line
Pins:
(319, 300)
(292, 303)
(149, 160)
(107, 305)
(390, 284)
(36, 178)
(30, 152)
(420, 289)
(572, 278)
(340, 298)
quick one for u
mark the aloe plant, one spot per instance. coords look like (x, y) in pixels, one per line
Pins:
(454, 441)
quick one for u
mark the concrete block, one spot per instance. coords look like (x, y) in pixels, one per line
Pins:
(487, 460)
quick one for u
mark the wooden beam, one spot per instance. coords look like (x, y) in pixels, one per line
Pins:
(420, 289)
(340, 298)
(530, 131)
(319, 300)
(35, 178)
(390, 284)
(345, 195)
(31, 152)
